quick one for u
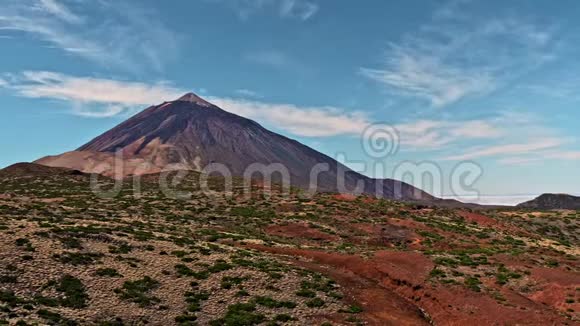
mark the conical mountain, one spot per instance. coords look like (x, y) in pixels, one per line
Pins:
(190, 133)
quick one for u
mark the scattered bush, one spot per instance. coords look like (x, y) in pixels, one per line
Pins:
(74, 292)
(138, 291)
(473, 283)
(271, 303)
(77, 258)
(315, 303)
(55, 318)
(241, 314)
(108, 272)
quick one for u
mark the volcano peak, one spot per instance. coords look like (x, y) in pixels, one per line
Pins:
(192, 133)
(193, 98)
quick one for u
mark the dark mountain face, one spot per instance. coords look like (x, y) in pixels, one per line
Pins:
(35, 170)
(553, 201)
(192, 133)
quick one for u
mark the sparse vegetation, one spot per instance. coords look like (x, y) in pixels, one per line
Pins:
(224, 260)
(139, 291)
(108, 272)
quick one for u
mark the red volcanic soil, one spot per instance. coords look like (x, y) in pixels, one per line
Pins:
(557, 286)
(381, 306)
(486, 221)
(361, 280)
(393, 289)
(370, 200)
(384, 234)
(345, 197)
(299, 230)
(478, 218)
(556, 276)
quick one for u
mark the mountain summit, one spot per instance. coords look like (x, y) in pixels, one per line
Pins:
(193, 98)
(191, 133)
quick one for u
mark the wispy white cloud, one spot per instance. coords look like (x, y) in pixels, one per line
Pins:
(43, 84)
(435, 134)
(88, 96)
(294, 9)
(98, 111)
(530, 147)
(301, 9)
(298, 120)
(60, 11)
(456, 56)
(477, 129)
(558, 155)
(427, 78)
(98, 97)
(131, 37)
(519, 160)
(565, 155)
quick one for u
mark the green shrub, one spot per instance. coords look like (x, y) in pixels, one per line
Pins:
(74, 292)
(283, 318)
(76, 258)
(352, 310)
(228, 282)
(8, 279)
(473, 283)
(138, 291)
(219, 266)
(194, 300)
(241, 314)
(123, 248)
(315, 303)
(184, 320)
(54, 318)
(9, 297)
(108, 272)
(183, 270)
(71, 243)
(242, 293)
(306, 293)
(435, 272)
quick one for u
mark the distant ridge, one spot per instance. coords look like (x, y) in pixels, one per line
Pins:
(553, 201)
(35, 170)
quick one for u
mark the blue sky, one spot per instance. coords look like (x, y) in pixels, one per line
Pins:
(495, 83)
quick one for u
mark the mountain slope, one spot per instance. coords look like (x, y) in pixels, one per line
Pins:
(191, 133)
(553, 201)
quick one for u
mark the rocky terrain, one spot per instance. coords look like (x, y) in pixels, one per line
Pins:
(252, 256)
